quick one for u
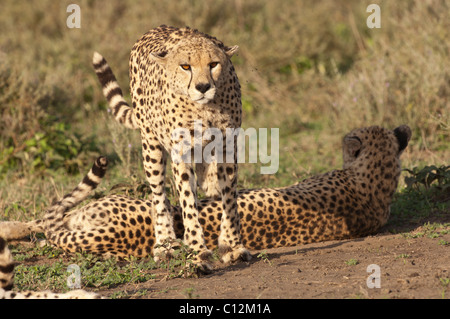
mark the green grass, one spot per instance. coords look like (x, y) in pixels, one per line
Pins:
(431, 230)
(96, 273)
(445, 284)
(312, 69)
(426, 195)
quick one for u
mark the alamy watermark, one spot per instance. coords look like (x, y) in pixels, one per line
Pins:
(374, 19)
(374, 279)
(74, 19)
(74, 279)
(234, 139)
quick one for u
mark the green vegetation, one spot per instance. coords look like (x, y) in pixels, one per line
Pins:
(352, 262)
(445, 284)
(426, 194)
(427, 176)
(95, 272)
(311, 68)
(264, 256)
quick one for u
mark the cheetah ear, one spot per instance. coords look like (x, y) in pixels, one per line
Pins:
(159, 57)
(230, 51)
(403, 135)
(352, 145)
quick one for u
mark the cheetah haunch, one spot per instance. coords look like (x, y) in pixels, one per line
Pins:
(340, 204)
(178, 76)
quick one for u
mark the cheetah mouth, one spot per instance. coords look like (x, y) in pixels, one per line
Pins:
(203, 100)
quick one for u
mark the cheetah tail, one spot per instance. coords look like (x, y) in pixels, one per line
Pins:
(53, 217)
(13, 230)
(6, 267)
(122, 112)
(90, 182)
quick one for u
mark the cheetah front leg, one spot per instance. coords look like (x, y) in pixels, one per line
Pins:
(155, 169)
(230, 245)
(193, 233)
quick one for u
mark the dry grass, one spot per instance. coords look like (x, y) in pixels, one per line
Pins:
(311, 68)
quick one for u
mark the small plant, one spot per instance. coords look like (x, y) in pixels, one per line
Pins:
(39, 277)
(352, 262)
(429, 176)
(445, 282)
(430, 230)
(189, 292)
(427, 192)
(264, 257)
(55, 147)
(403, 257)
(443, 242)
(180, 264)
(119, 295)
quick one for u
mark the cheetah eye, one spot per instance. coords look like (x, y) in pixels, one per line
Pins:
(212, 65)
(185, 67)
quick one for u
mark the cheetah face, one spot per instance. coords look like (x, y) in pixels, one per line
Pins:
(196, 69)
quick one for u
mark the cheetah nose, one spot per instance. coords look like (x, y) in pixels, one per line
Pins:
(203, 87)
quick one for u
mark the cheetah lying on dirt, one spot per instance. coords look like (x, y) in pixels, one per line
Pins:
(180, 77)
(340, 204)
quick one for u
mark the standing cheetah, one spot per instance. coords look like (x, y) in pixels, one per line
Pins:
(340, 204)
(178, 77)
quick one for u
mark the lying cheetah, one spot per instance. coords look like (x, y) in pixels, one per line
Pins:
(347, 203)
(177, 77)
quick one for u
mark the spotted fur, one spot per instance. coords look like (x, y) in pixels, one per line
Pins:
(178, 76)
(347, 203)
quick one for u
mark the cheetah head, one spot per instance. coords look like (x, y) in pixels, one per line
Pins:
(196, 67)
(375, 141)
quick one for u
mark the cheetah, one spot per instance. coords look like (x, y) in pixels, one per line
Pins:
(179, 77)
(340, 204)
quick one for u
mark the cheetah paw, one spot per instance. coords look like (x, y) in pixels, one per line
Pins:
(166, 250)
(202, 262)
(229, 255)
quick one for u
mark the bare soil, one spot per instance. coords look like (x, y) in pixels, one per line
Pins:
(412, 263)
(413, 266)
